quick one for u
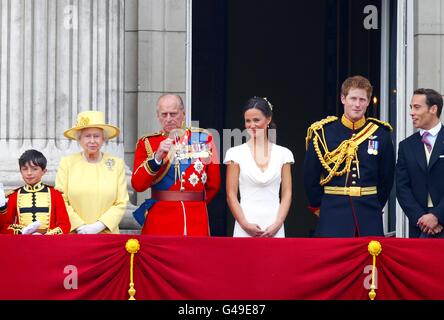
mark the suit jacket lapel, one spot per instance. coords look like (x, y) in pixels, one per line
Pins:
(419, 152)
(438, 148)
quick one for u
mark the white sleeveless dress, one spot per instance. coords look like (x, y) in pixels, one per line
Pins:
(259, 190)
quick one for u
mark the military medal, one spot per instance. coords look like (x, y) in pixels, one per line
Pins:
(370, 147)
(198, 166)
(193, 179)
(204, 178)
(373, 147)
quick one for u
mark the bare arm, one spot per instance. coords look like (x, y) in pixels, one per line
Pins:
(284, 207)
(232, 187)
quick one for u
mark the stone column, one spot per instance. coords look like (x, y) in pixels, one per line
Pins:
(429, 44)
(57, 58)
(155, 63)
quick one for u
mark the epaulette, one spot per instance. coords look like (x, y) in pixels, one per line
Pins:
(9, 192)
(318, 125)
(155, 134)
(386, 125)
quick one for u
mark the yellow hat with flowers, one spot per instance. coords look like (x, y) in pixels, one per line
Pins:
(92, 119)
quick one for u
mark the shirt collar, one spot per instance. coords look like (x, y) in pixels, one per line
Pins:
(434, 131)
(353, 125)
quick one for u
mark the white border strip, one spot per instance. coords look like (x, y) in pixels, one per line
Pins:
(384, 100)
(189, 60)
(405, 83)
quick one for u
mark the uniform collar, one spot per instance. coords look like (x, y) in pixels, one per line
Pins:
(353, 125)
(35, 188)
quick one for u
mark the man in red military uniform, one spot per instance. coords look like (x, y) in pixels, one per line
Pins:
(181, 167)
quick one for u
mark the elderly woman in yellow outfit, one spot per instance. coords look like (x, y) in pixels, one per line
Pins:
(93, 183)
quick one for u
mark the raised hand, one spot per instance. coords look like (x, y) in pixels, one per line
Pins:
(163, 149)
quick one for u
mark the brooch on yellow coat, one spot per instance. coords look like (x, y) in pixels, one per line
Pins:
(110, 164)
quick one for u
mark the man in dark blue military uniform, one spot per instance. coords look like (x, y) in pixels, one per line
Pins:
(349, 167)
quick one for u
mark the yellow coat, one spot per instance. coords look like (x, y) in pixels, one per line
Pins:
(93, 191)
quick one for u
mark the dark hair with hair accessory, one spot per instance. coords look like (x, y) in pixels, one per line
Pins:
(263, 105)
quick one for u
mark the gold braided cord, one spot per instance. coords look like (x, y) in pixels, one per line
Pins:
(319, 125)
(148, 148)
(346, 151)
(344, 154)
(54, 231)
(16, 228)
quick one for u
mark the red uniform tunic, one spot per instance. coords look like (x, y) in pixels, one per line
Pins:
(39, 203)
(200, 173)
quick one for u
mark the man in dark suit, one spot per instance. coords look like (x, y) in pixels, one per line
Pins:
(349, 167)
(420, 167)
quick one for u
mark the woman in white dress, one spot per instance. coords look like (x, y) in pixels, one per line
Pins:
(259, 169)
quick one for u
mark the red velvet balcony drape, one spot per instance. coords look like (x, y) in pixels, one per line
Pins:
(39, 267)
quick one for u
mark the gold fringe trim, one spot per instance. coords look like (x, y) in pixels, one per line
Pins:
(54, 231)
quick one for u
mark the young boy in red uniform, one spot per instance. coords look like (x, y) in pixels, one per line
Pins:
(35, 208)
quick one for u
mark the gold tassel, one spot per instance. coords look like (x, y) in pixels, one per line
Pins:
(132, 246)
(374, 248)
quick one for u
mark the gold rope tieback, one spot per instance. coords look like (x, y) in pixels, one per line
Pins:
(374, 248)
(132, 246)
